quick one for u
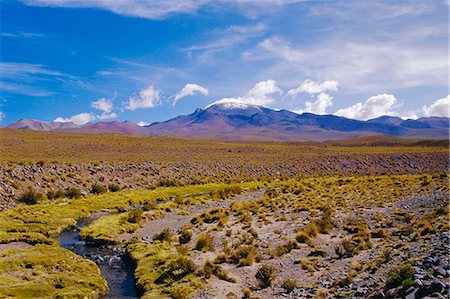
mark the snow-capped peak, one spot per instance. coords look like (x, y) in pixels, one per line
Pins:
(231, 103)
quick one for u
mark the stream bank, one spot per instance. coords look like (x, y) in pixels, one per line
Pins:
(115, 266)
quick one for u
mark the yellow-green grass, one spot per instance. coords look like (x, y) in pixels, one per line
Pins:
(106, 230)
(33, 146)
(51, 218)
(48, 271)
(152, 274)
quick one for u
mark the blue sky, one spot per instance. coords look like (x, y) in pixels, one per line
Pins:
(146, 61)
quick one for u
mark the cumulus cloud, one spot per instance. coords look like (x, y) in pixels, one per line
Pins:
(311, 87)
(106, 115)
(143, 123)
(318, 91)
(319, 106)
(373, 107)
(103, 104)
(148, 98)
(438, 108)
(78, 119)
(262, 93)
(188, 90)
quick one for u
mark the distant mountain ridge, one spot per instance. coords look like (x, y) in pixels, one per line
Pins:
(236, 120)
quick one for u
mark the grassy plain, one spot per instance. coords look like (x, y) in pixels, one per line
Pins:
(360, 207)
(31, 147)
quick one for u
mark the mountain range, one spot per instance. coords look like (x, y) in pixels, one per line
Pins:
(236, 120)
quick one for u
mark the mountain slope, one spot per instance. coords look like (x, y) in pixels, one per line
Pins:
(230, 119)
(235, 120)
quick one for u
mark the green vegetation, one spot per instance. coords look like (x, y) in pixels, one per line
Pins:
(402, 274)
(162, 271)
(30, 197)
(289, 285)
(51, 218)
(106, 229)
(266, 275)
(43, 272)
(98, 189)
(204, 242)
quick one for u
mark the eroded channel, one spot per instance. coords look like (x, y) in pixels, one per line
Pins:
(115, 266)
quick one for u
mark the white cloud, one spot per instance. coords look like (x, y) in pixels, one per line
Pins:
(148, 98)
(143, 123)
(188, 90)
(106, 115)
(78, 119)
(322, 101)
(439, 108)
(2, 115)
(22, 34)
(319, 106)
(158, 9)
(391, 61)
(311, 87)
(103, 104)
(261, 93)
(373, 107)
(154, 9)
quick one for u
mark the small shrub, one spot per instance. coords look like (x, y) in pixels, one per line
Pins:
(244, 255)
(72, 193)
(221, 258)
(30, 197)
(271, 193)
(379, 233)
(135, 216)
(177, 269)
(204, 242)
(98, 189)
(283, 249)
(185, 236)
(247, 292)
(321, 294)
(306, 264)
(289, 285)
(168, 183)
(303, 237)
(312, 229)
(347, 248)
(212, 269)
(326, 222)
(397, 275)
(165, 235)
(148, 206)
(183, 249)
(113, 188)
(265, 275)
(55, 194)
(181, 291)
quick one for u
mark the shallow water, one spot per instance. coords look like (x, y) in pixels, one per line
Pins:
(115, 266)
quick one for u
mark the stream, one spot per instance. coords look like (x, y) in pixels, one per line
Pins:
(115, 266)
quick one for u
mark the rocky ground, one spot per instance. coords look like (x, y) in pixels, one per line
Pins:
(45, 177)
(318, 269)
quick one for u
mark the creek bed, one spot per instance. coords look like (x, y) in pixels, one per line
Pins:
(115, 266)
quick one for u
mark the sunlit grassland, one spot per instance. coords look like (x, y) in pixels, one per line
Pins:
(161, 271)
(51, 218)
(337, 194)
(31, 146)
(48, 271)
